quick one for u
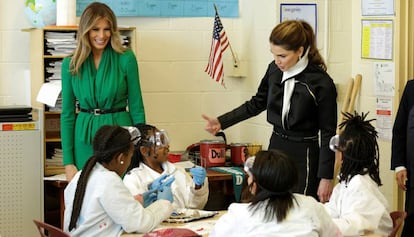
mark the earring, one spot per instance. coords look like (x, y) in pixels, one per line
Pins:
(122, 162)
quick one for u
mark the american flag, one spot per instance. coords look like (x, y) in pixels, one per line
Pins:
(218, 45)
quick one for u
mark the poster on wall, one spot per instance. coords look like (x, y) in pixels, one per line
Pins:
(306, 12)
(166, 8)
(377, 39)
(384, 117)
(377, 7)
(384, 78)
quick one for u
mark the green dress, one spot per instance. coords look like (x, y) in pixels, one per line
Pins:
(114, 85)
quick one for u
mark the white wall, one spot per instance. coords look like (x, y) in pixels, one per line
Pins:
(172, 54)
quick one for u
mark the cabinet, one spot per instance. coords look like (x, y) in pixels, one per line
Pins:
(21, 171)
(45, 59)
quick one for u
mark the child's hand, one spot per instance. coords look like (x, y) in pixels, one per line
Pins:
(149, 197)
(165, 194)
(199, 175)
(156, 184)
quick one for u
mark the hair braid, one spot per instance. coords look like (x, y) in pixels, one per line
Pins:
(80, 191)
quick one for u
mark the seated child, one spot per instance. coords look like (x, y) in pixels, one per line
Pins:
(356, 205)
(274, 210)
(97, 203)
(151, 166)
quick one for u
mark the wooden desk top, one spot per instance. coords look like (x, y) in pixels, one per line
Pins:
(217, 176)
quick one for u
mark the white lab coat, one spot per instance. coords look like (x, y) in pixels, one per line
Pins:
(183, 188)
(307, 218)
(108, 207)
(359, 207)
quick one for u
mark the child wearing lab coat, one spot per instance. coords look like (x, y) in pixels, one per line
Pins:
(150, 165)
(97, 203)
(274, 210)
(357, 206)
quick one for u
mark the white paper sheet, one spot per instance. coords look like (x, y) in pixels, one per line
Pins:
(49, 93)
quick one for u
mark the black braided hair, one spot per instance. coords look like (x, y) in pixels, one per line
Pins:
(359, 147)
(146, 131)
(275, 176)
(108, 143)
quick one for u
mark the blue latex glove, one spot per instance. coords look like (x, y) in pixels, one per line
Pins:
(167, 182)
(199, 175)
(149, 197)
(165, 194)
(156, 184)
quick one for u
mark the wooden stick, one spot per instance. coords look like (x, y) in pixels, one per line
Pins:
(345, 104)
(355, 90)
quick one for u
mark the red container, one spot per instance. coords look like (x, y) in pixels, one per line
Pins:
(239, 153)
(212, 153)
(174, 157)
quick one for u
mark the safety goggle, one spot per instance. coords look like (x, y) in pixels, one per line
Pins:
(160, 139)
(248, 165)
(135, 134)
(334, 143)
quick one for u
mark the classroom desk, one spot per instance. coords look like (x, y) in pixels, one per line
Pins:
(57, 187)
(202, 227)
(219, 199)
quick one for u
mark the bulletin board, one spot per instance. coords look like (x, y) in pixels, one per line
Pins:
(167, 8)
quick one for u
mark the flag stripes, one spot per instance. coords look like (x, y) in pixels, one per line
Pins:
(219, 44)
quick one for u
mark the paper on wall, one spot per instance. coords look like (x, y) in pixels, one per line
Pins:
(49, 93)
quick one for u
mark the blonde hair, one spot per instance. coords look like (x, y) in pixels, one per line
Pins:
(90, 16)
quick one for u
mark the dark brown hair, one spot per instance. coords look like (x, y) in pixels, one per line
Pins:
(292, 34)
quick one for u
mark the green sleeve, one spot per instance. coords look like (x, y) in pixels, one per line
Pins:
(135, 103)
(67, 119)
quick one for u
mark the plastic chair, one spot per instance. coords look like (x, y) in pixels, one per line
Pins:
(47, 230)
(398, 218)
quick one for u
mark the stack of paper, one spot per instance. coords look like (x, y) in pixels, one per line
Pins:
(60, 43)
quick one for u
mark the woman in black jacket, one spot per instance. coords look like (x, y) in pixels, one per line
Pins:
(300, 99)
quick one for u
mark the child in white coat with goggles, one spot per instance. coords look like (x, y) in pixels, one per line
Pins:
(150, 168)
(357, 206)
(273, 209)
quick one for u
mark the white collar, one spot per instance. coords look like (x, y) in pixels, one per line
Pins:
(297, 68)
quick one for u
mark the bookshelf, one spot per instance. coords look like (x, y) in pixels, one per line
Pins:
(46, 55)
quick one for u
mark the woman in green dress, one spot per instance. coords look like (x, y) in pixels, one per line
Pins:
(102, 75)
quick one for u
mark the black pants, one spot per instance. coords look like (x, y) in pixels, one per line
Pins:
(408, 229)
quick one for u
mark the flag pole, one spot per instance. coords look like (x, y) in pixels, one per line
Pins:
(235, 58)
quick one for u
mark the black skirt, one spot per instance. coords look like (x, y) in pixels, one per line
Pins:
(306, 156)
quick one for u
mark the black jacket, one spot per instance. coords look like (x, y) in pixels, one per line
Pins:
(313, 109)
